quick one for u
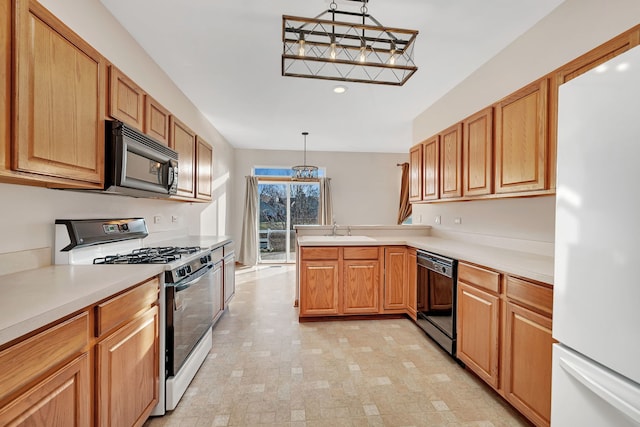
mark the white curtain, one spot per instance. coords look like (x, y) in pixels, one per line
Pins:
(248, 254)
(326, 203)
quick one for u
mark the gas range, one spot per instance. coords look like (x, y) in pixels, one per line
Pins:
(120, 241)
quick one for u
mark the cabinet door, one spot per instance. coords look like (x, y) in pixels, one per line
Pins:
(218, 290)
(431, 169)
(395, 279)
(156, 120)
(412, 283)
(521, 140)
(527, 362)
(229, 278)
(319, 281)
(59, 109)
(127, 372)
(62, 399)
(5, 85)
(361, 287)
(415, 173)
(478, 332)
(204, 169)
(126, 99)
(451, 162)
(183, 141)
(477, 150)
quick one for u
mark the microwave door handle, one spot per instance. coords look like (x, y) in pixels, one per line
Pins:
(173, 172)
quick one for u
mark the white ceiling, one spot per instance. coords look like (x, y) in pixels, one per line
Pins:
(225, 56)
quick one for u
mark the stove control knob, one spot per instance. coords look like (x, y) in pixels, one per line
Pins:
(188, 269)
(209, 257)
(203, 260)
(181, 272)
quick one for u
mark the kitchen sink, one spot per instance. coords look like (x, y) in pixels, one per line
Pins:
(341, 238)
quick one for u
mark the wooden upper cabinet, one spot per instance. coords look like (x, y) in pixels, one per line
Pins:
(477, 151)
(126, 99)
(58, 121)
(431, 169)
(521, 140)
(183, 141)
(156, 120)
(204, 169)
(415, 173)
(5, 85)
(451, 162)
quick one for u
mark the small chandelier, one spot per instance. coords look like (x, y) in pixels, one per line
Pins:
(362, 51)
(305, 172)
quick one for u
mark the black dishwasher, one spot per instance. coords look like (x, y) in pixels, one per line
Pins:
(436, 302)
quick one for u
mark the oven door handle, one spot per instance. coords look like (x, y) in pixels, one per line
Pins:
(194, 278)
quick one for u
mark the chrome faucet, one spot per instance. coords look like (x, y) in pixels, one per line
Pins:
(335, 228)
(349, 231)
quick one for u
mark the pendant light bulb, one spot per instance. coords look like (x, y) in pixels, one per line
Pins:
(301, 43)
(363, 51)
(392, 52)
(332, 48)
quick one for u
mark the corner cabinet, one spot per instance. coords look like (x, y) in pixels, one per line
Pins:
(415, 173)
(183, 141)
(204, 170)
(47, 377)
(521, 153)
(58, 117)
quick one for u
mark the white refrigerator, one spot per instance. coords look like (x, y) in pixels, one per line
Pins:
(596, 314)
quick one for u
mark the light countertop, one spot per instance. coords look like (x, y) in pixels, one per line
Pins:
(529, 265)
(34, 298)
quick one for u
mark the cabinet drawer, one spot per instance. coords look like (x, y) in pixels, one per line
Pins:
(480, 277)
(360, 252)
(530, 294)
(319, 253)
(25, 361)
(122, 308)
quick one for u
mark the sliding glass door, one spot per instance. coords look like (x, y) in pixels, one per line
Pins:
(284, 204)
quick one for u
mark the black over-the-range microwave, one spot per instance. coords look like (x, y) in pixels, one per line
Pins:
(137, 165)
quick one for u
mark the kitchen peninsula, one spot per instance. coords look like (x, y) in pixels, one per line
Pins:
(501, 299)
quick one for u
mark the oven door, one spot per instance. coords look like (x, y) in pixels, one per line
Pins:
(192, 305)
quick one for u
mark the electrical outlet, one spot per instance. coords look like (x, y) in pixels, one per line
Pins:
(174, 218)
(420, 219)
(457, 220)
(157, 219)
(438, 220)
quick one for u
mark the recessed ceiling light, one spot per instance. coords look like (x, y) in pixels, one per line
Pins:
(601, 68)
(623, 66)
(340, 89)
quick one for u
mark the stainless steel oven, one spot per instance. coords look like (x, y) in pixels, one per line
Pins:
(436, 305)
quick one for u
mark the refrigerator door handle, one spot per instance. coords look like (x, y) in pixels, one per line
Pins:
(605, 385)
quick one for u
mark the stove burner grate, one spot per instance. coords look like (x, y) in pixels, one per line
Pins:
(159, 255)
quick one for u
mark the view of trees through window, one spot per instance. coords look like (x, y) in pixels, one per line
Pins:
(284, 204)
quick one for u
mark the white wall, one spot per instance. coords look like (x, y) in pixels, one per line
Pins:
(572, 29)
(29, 213)
(365, 186)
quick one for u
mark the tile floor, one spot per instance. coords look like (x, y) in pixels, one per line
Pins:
(265, 368)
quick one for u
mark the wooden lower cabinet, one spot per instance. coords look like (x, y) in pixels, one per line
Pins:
(319, 288)
(127, 381)
(361, 286)
(479, 332)
(61, 399)
(504, 337)
(396, 281)
(527, 362)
